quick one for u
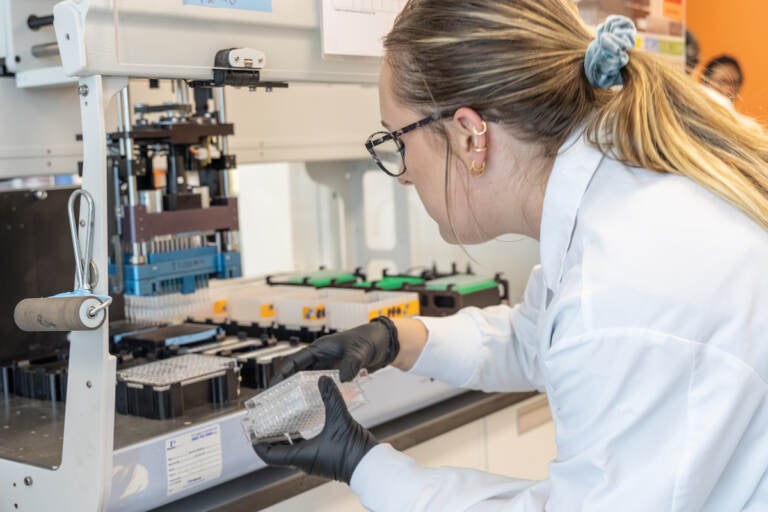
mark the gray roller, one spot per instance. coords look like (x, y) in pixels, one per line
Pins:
(58, 314)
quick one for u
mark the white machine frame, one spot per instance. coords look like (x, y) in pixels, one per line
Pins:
(102, 43)
(83, 478)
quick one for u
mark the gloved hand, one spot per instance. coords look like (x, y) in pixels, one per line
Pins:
(371, 346)
(335, 452)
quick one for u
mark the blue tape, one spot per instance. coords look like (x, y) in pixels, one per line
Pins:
(82, 293)
(186, 339)
(246, 5)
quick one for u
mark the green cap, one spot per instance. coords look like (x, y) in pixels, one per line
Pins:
(462, 283)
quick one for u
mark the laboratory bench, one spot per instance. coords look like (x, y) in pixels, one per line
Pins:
(266, 487)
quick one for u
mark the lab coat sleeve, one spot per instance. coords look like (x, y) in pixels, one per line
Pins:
(389, 481)
(492, 349)
(645, 421)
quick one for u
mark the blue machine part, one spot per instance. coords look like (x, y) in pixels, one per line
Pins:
(179, 271)
(193, 337)
(117, 338)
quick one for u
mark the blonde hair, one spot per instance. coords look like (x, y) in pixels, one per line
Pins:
(522, 62)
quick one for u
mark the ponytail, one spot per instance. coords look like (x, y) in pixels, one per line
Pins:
(661, 120)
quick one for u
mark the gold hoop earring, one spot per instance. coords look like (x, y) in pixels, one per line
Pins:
(482, 132)
(479, 150)
(476, 172)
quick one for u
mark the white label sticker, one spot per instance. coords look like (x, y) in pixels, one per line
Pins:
(193, 458)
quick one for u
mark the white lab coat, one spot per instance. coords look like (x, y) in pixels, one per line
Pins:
(647, 326)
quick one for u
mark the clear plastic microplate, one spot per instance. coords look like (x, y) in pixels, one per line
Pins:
(183, 369)
(293, 408)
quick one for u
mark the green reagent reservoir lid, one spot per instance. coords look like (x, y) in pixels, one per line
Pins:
(391, 282)
(462, 283)
(323, 278)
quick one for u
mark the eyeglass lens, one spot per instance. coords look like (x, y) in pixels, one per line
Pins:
(388, 154)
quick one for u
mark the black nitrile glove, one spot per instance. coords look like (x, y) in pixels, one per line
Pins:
(371, 346)
(335, 452)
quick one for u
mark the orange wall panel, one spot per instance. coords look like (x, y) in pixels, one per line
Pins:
(736, 28)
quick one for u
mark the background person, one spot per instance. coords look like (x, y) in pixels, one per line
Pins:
(723, 79)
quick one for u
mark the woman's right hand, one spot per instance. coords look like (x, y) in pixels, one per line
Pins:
(371, 346)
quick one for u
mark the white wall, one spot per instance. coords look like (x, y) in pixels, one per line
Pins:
(512, 254)
(265, 218)
(290, 222)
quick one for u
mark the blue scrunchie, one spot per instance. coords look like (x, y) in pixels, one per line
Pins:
(607, 53)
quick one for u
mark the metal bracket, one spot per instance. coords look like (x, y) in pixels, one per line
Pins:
(238, 67)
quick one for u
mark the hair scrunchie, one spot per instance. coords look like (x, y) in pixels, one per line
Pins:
(607, 53)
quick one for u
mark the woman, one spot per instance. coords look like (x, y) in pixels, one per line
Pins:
(724, 75)
(723, 78)
(645, 322)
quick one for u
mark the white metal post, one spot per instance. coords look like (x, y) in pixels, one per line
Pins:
(346, 178)
(82, 480)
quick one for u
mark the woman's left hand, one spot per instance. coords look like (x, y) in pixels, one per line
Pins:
(335, 452)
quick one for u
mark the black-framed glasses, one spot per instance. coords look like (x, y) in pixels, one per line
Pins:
(384, 146)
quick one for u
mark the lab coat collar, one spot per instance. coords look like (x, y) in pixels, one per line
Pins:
(576, 163)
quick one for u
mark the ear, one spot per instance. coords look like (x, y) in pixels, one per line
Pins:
(469, 138)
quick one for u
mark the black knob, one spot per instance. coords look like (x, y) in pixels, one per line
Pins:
(36, 22)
